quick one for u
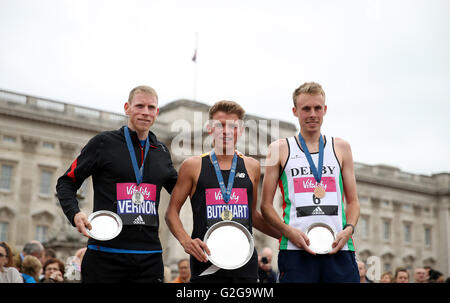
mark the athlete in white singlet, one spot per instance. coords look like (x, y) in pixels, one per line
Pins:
(288, 167)
(297, 185)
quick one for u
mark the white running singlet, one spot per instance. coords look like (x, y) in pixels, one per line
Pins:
(300, 207)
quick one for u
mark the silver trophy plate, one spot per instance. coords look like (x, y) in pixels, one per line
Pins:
(321, 237)
(230, 243)
(106, 225)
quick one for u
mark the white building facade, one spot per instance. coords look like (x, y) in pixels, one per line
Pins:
(404, 217)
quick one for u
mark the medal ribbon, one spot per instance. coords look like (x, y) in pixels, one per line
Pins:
(317, 172)
(138, 171)
(226, 192)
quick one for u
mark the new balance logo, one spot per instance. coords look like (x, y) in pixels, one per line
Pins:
(240, 175)
(139, 220)
(318, 211)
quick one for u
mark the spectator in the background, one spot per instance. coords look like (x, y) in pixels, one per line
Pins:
(47, 254)
(73, 266)
(420, 275)
(265, 271)
(401, 275)
(53, 271)
(31, 267)
(387, 277)
(427, 269)
(362, 272)
(184, 272)
(16, 260)
(32, 248)
(79, 255)
(8, 273)
(436, 277)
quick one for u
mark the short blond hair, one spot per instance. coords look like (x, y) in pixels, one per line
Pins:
(31, 266)
(142, 89)
(311, 88)
(229, 107)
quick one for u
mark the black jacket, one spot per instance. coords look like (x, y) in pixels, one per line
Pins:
(107, 159)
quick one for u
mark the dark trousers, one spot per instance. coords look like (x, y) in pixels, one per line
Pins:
(106, 267)
(299, 266)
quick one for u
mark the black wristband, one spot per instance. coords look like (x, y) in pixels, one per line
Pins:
(352, 226)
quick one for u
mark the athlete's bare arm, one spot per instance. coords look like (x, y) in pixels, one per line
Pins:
(186, 184)
(254, 171)
(276, 159)
(344, 155)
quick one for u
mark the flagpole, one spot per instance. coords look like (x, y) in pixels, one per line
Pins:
(195, 67)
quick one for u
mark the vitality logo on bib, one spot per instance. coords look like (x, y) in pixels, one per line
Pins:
(215, 204)
(308, 184)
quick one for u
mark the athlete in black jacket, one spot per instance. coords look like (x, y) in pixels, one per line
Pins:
(135, 255)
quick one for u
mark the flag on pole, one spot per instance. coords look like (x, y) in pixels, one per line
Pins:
(194, 58)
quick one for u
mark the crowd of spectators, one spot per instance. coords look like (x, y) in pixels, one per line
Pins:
(37, 264)
(402, 275)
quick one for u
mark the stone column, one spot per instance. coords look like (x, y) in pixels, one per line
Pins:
(442, 241)
(397, 230)
(375, 234)
(26, 174)
(443, 235)
(417, 233)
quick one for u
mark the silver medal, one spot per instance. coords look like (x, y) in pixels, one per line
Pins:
(137, 198)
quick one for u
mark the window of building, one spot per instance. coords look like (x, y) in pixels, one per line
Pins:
(407, 232)
(4, 226)
(386, 230)
(9, 139)
(46, 182)
(409, 268)
(6, 172)
(427, 235)
(387, 267)
(48, 145)
(364, 227)
(364, 200)
(42, 233)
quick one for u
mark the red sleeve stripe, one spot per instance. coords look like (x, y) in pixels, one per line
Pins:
(71, 173)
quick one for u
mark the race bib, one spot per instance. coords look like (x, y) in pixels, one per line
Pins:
(238, 205)
(142, 213)
(307, 204)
